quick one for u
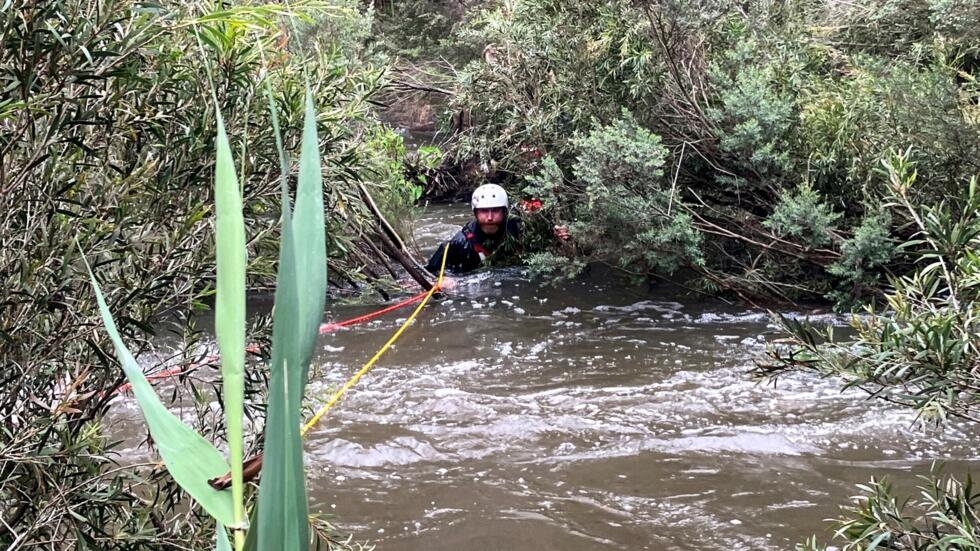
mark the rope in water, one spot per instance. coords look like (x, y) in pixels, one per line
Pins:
(254, 349)
(367, 367)
(253, 466)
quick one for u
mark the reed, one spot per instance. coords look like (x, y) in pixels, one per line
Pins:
(280, 518)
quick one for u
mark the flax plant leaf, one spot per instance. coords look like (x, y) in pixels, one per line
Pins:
(308, 229)
(282, 492)
(190, 459)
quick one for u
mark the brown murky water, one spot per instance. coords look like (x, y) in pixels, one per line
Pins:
(586, 417)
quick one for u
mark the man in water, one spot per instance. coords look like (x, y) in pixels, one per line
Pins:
(491, 236)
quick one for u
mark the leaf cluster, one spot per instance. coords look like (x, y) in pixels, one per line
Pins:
(922, 351)
(751, 100)
(943, 516)
(106, 140)
(621, 210)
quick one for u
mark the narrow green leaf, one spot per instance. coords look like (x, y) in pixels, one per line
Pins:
(252, 536)
(308, 226)
(230, 309)
(282, 493)
(874, 544)
(222, 543)
(190, 459)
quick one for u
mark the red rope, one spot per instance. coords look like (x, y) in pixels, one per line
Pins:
(328, 327)
(253, 348)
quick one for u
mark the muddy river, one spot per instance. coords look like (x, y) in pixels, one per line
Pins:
(585, 417)
(592, 417)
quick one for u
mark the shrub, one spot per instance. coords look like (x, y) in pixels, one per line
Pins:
(803, 215)
(617, 206)
(921, 353)
(106, 140)
(863, 259)
(943, 516)
(754, 111)
(548, 70)
(854, 118)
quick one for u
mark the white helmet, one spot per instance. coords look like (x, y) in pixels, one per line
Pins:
(489, 196)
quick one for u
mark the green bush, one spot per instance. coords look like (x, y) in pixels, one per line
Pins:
(549, 69)
(803, 215)
(851, 120)
(943, 516)
(107, 145)
(617, 205)
(863, 259)
(755, 110)
(921, 352)
(749, 102)
(419, 31)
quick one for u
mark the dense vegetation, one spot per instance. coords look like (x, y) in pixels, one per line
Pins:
(107, 150)
(736, 145)
(766, 121)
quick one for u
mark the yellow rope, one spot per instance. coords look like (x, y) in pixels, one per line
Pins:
(367, 367)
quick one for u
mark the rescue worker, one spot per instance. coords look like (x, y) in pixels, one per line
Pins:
(490, 235)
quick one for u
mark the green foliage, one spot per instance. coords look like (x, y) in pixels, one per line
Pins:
(553, 266)
(420, 30)
(429, 157)
(803, 215)
(851, 120)
(755, 109)
(107, 136)
(620, 210)
(395, 193)
(863, 257)
(300, 292)
(900, 28)
(750, 99)
(944, 516)
(922, 352)
(548, 70)
(229, 323)
(622, 153)
(189, 458)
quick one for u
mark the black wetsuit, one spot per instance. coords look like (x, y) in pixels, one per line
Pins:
(470, 247)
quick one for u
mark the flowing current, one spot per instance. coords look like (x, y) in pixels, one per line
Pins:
(586, 417)
(591, 417)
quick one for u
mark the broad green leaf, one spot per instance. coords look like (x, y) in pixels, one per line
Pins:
(300, 292)
(230, 308)
(190, 459)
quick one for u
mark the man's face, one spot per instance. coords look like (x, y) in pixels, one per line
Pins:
(490, 220)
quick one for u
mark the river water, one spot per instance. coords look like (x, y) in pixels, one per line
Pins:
(590, 416)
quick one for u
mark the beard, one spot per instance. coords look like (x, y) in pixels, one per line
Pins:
(490, 229)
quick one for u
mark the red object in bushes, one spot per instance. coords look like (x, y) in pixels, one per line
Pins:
(531, 205)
